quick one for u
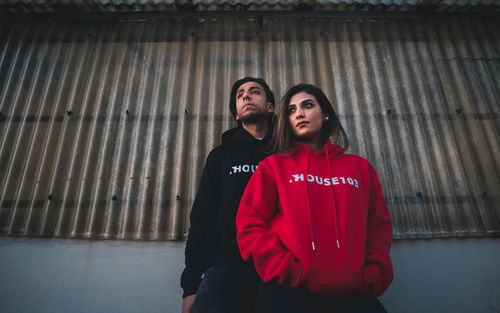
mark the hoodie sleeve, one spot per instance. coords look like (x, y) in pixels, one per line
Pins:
(377, 271)
(255, 240)
(201, 237)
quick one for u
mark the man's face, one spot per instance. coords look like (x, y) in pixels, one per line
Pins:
(251, 102)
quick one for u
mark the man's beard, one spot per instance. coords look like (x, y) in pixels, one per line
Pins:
(255, 117)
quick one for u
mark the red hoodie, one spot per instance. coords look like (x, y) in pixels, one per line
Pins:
(317, 220)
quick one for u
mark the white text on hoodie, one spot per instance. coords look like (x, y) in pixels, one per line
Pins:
(326, 181)
(244, 168)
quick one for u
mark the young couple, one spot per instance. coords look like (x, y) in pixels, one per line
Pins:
(305, 231)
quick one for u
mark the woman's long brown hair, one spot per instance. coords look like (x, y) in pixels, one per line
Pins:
(283, 140)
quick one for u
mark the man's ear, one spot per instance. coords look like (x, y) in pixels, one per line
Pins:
(270, 107)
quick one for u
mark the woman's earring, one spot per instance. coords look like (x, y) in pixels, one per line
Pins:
(326, 118)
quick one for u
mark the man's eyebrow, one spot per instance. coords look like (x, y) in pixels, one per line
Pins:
(249, 89)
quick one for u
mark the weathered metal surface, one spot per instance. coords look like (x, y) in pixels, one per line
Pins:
(105, 126)
(44, 6)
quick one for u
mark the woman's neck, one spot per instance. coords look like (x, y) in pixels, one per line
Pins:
(314, 144)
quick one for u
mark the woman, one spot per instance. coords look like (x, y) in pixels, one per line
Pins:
(313, 219)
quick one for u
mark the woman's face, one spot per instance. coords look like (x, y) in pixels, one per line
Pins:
(305, 117)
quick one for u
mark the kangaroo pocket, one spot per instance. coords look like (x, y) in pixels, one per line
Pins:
(332, 283)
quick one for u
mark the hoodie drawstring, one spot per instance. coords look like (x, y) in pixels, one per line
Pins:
(335, 219)
(309, 211)
(308, 204)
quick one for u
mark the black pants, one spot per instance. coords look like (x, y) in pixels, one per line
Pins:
(226, 289)
(275, 298)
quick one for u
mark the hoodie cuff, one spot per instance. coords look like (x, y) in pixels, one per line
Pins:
(190, 281)
(371, 280)
(189, 291)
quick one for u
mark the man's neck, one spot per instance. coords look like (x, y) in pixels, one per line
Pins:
(257, 129)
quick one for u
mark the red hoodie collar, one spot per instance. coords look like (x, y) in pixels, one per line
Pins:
(333, 150)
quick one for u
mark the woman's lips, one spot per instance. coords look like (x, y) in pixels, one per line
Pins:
(301, 124)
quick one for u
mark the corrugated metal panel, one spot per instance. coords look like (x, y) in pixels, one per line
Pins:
(37, 6)
(294, 3)
(104, 127)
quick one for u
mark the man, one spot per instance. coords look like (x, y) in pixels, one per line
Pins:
(229, 284)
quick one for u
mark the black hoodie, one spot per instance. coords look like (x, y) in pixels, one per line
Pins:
(212, 234)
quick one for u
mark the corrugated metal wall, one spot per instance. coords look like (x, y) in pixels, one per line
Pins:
(38, 6)
(105, 126)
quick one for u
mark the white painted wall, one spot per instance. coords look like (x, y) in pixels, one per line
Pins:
(68, 275)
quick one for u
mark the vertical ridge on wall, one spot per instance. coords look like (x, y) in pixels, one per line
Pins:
(390, 96)
(17, 170)
(16, 137)
(105, 126)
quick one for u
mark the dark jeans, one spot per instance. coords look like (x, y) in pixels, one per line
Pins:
(226, 289)
(275, 298)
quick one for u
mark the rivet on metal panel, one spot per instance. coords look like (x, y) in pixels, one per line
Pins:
(69, 113)
(459, 110)
(388, 111)
(419, 194)
(114, 197)
(177, 197)
(50, 197)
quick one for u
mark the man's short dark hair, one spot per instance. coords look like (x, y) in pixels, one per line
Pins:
(238, 83)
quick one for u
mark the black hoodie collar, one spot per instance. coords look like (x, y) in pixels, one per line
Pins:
(241, 135)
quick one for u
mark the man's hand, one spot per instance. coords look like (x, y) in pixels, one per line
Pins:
(187, 303)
